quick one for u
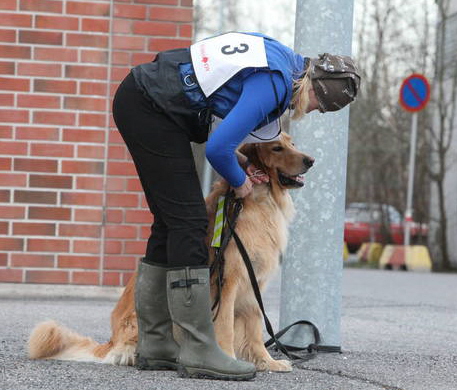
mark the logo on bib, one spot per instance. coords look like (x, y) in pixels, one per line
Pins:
(204, 58)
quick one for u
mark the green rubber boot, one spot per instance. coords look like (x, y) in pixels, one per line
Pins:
(200, 355)
(156, 348)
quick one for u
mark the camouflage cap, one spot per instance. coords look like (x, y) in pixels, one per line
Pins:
(335, 80)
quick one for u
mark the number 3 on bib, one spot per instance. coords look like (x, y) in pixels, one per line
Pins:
(243, 48)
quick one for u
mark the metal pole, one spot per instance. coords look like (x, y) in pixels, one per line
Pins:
(409, 197)
(312, 268)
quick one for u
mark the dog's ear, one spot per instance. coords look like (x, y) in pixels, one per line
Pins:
(251, 152)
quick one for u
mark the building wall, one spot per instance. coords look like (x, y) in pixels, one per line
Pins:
(71, 206)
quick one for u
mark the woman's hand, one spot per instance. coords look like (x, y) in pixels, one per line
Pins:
(243, 190)
(256, 175)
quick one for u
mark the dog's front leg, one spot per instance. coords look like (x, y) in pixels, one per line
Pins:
(224, 322)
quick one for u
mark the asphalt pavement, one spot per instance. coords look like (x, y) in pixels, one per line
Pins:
(399, 332)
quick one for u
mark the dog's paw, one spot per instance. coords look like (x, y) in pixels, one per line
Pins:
(276, 366)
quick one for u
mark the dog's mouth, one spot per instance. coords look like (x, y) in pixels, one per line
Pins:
(291, 181)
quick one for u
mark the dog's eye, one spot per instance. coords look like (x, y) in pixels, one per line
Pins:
(278, 149)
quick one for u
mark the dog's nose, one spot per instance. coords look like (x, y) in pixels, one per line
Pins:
(308, 161)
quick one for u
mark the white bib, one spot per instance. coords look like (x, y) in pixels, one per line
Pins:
(216, 60)
(267, 133)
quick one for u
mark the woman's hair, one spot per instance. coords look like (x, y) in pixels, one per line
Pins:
(300, 96)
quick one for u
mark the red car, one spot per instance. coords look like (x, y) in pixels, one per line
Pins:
(378, 223)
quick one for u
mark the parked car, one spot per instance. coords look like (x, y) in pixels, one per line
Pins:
(376, 222)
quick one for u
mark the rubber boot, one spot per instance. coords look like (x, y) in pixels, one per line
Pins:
(156, 348)
(200, 355)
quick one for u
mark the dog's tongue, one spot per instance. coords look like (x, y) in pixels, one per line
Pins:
(299, 178)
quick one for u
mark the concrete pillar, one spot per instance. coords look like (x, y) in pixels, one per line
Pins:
(312, 267)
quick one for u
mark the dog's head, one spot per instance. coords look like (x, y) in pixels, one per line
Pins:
(283, 163)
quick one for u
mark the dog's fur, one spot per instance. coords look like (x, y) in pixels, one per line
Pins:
(262, 226)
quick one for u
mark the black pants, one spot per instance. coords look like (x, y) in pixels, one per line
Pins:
(163, 158)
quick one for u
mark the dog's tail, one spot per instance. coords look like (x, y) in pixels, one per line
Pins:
(50, 340)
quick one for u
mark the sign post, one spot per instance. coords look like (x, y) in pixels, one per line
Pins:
(414, 96)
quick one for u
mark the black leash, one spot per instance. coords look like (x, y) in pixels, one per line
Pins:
(312, 348)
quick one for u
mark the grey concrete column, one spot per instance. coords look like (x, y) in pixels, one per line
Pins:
(312, 267)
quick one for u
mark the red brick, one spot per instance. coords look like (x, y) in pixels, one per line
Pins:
(119, 73)
(187, 3)
(113, 247)
(93, 88)
(85, 167)
(56, 22)
(38, 101)
(167, 2)
(7, 147)
(115, 184)
(47, 245)
(135, 247)
(6, 132)
(186, 30)
(55, 86)
(41, 6)
(37, 69)
(122, 26)
(116, 152)
(50, 181)
(91, 262)
(88, 40)
(84, 103)
(86, 246)
(38, 133)
(14, 116)
(52, 150)
(117, 231)
(13, 179)
(3, 259)
(34, 229)
(35, 165)
(48, 276)
(134, 185)
(54, 117)
(9, 5)
(11, 244)
(121, 168)
(94, 56)
(88, 215)
(114, 216)
(87, 8)
(82, 198)
(4, 196)
(45, 197)
(89, 183)
(126, 276)
(14, 84)
(12, 212)
(86, 72)
(50, 213)
(160, 44)
(85, 277)
(7, 35)
(120, 262)
(6, 99)
(120, 58)
(7, 51)
(55, 54)
(171, 14)
(86, 136)
(15, 20)
(90, 151)
(93, 120)
(42, 37)
(138, 216)
(97, 25)
(129, 11)
(141, 58)
(111, 278)
(27, 260)
(154, 28)
(4, 228)
(121, 42)
(122, 200)
(11, 275)
(79, 230)
(6, 67)
(5, 164)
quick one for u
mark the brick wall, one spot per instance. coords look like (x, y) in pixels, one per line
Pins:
(71, 207)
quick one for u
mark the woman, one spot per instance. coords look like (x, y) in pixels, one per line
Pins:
(249, 80)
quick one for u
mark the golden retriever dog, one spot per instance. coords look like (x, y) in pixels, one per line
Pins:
(262, 226)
